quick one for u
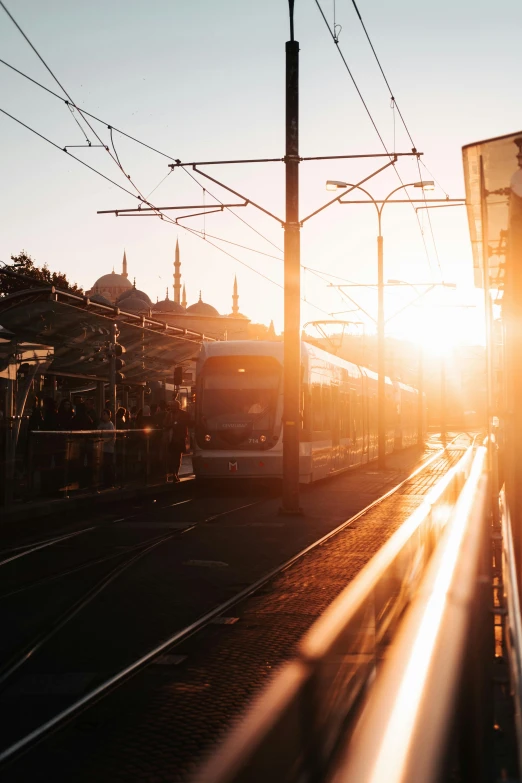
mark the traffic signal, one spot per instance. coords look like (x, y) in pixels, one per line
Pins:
(178, 375)
(114, 353)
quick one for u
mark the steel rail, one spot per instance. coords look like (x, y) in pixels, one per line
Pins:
(141, 549)
(35, 546)
(120, 677)
(43, 545)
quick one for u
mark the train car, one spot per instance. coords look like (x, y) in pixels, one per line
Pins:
(239, 408)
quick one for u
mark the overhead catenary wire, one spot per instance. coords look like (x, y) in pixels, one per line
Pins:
(414, 150)
(116, 159)
(137, 141)
(114, 156)
(243, 263)
(395, 105)
(63, 149)
(159, 213)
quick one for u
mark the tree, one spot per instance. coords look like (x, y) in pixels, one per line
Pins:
(25, 271)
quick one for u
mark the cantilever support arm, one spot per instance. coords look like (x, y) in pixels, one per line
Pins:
(412, 302)
(239, 195)
(352, 187)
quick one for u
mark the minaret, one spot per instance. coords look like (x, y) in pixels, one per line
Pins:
(124, 265)
(235, 298)
(184, 300)
(177, 275)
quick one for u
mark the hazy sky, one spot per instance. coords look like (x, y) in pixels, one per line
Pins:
(205, 80)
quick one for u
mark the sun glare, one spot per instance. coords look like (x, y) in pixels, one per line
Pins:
(440, 329)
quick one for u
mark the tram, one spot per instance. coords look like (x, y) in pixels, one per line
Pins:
(239, 408)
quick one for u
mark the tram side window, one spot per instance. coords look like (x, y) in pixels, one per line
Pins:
(317, 408)
(354, 412)
(345, 415)
(327, 408)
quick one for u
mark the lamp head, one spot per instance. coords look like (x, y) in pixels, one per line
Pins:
(334, 184)
(425, 184)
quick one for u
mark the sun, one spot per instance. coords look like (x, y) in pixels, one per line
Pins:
(441, 329)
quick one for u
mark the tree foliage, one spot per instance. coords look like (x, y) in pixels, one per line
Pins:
(29, 275)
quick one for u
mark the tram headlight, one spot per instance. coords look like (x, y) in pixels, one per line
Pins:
(208, 438)
(262, 438)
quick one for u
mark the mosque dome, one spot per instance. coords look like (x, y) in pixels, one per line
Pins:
(134, 304)
(111, 286)
(168, 306)
(202, 308)
(112, 280)
(133, 293)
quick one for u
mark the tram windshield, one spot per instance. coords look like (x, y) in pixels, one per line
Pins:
(237, 402)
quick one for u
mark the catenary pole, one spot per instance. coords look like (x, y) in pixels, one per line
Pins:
(292, 271)
(112, 370)
(381, 360)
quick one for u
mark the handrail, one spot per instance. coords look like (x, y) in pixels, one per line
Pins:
(404, 730)
(337, 657)
(514, 620)
(123, 430)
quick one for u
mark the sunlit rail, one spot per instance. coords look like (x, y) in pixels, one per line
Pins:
(297, 729)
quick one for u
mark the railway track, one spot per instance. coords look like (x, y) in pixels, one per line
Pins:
(218, 612)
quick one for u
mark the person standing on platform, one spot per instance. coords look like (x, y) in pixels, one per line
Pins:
(177, 423)
(107, 426)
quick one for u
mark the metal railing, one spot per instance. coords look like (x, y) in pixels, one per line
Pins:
(63, 463)
(297, 727)
(513, 621)
(433, 687)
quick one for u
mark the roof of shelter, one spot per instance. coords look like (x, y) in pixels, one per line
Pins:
(78, 329)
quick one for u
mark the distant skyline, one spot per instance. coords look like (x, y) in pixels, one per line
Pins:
(204, 81)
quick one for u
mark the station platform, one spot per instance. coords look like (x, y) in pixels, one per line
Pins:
(232, 583)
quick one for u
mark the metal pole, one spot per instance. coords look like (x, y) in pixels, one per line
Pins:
(443, 434)
(112, 371)
(381, 362)
(292, 322)
(487, 310)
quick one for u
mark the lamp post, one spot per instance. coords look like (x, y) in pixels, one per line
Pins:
(381, 369)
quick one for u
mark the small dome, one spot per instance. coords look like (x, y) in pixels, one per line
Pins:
(134, 304)
(202, 308)
(112, 281)
(168, 306)
(134, 293)
(100, 299)
(237, 315)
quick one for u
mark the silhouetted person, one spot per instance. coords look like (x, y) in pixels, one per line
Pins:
(83, 445)
(107, 426)
(65, 415)
(90, 407)
(121, 419)
(49, 415)
(49, 447)
(81, 419)
(177, 423)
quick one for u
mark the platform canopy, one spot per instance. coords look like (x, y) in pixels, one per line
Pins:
(78, 331)
(489, 166)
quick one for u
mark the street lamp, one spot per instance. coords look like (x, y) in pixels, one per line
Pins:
(333, 184)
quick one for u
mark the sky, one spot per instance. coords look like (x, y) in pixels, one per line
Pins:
(205, 81)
